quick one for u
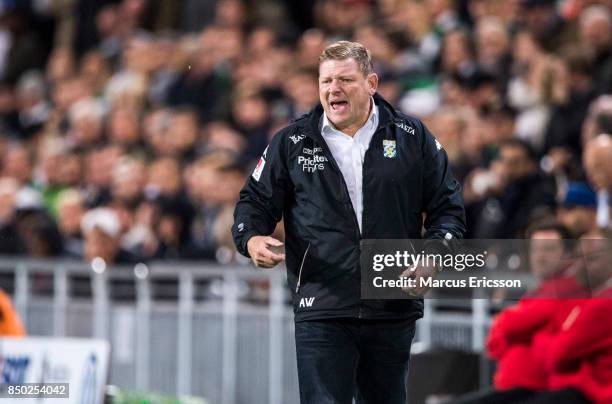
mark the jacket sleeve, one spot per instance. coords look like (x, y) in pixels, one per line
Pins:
(442, 199)
(585, 333)
(519, 323)
(260, 205)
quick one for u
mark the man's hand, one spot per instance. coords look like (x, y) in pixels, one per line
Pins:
(421, 272)
(260, 250)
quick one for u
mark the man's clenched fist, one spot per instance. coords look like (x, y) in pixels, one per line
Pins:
(261, 253)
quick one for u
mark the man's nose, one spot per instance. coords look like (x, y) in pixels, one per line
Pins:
(334, 87)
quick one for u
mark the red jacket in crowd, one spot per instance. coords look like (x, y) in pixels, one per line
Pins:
(579, 356)
(514, 330)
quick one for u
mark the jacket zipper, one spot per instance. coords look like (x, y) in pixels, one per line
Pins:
(299, 281)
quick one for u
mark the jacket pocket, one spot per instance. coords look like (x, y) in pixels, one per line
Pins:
(299, 280)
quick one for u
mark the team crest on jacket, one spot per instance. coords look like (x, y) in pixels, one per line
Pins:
(389, 149)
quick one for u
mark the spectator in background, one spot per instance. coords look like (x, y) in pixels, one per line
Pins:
(520, 373)
(542, 19)
(31, 103)
(200, 85)
(220, 137)
(95, 71)
(128, 182)
(38, 234)
(213, 183)
(493, 48)
(60, 66)
(598, 119)
(562, 136)
(173, 229)
(597, 157)
(86, 119)
(101, 230)
(18, 163)
(457, 53)
(9, 118)
(22, 48)
(124, 129)
(577, 210)
(70, 212)
(184, 133)
(444, 19)
(302, 92)
(129, 88)
(505, 199)
(450, 126)
(577, 352)
(252, 118)
(9, 243)
(596, 39)
(534, 85)
(98, 174)
(48, 179)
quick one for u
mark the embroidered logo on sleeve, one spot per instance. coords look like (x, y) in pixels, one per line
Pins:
(260, 166)
(438, 145)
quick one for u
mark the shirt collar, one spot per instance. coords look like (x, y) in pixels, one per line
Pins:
(328, 128)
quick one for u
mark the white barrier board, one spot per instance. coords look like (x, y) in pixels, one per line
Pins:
(82, 363)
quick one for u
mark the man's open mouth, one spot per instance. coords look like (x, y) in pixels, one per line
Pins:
(338, 105)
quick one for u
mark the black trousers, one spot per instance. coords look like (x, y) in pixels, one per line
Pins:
(342, 359)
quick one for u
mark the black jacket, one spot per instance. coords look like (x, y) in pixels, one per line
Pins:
(298, 179)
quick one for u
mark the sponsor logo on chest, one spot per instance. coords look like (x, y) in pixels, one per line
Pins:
(312, 160)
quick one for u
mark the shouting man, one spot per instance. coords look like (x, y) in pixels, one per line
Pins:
(354, 168)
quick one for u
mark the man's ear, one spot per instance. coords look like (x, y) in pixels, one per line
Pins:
(372, 83)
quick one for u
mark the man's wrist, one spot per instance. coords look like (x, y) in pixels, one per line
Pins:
(245, 242)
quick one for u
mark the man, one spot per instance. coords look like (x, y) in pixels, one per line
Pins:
(521, 373)
(101, 229)
(510, 337)
(596, 38)
(597, 155)
(511, 193)
(352, 169)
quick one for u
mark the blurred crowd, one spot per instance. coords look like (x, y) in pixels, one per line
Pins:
(127, 127)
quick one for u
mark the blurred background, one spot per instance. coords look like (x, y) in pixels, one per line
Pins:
(128, 127)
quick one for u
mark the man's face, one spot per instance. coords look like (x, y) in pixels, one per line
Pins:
(546, 254)
(100, 244)
(597, 261)
(596, 34)
(597, 165)
(345, 93)
(515, 162)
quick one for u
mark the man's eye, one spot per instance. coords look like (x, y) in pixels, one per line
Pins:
(347, 80)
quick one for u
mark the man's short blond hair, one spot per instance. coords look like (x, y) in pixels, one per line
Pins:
(343, 50)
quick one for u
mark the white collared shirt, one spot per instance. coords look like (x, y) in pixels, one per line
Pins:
(349, 153)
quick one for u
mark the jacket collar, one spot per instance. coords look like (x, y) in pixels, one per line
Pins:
(386, 116)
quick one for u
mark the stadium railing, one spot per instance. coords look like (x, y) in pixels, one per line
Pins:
(221, 332)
